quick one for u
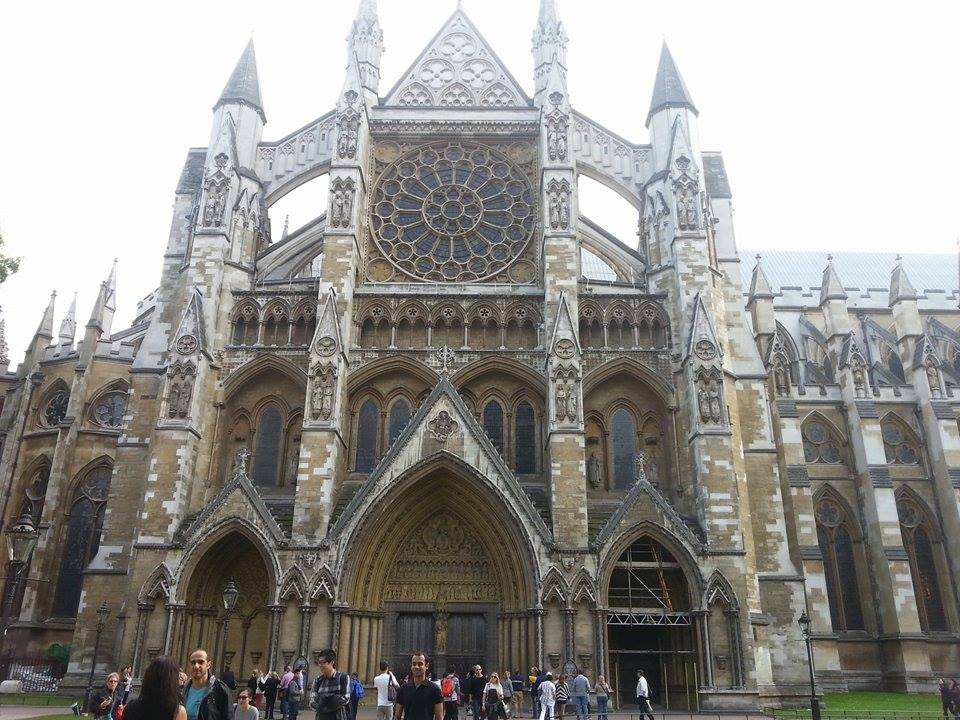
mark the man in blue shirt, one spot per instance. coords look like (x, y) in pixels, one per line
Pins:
(205, 697)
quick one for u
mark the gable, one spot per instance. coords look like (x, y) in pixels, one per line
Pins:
(457, 69)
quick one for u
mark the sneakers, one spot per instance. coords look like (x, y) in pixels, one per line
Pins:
(75, 709)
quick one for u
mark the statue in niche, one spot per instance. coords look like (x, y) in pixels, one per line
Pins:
(933, 378)
(593, 470)
(557, 137)
(559, 204)
(859, 382)
(703, 403)
(341, 208)
(215, 204)
(347, 133)
(186, 392)
(709, 401)
(572, 400)
(561, 400)
(781, 380)
(715, 405)
(321, 399)
(173, 400)
(687, 208)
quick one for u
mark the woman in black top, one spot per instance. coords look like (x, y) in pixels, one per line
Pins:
(270, 685)
(160, 694)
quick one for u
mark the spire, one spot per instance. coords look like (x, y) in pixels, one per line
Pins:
(243, 87)
(900, 286)
(68, 327)
(45, 329)
(549, 44)
(830, 287)
(286, 227)
(4, 349)
(669, 90)
(759, 283)
(106, 303)
(365, 44)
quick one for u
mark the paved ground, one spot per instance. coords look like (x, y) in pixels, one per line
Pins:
(22, 712)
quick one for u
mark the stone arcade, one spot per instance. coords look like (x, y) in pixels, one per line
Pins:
(453, 414)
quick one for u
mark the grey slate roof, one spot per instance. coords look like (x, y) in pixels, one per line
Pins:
(669, 89)
(715, 176)
(244, 84)
(857, 270)
(192, 174)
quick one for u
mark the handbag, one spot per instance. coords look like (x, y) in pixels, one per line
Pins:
(392, 689)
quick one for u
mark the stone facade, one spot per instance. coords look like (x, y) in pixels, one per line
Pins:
(453, 414)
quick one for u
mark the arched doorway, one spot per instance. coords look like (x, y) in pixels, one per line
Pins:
(650, 623)
(246, 645)
(439, 565)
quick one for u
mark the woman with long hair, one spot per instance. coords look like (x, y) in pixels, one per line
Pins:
(159, 697)
(493, 699)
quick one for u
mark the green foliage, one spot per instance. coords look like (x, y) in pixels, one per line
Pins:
(58, 652)
(8, 265)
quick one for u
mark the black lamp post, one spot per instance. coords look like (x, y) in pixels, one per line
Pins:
(804, 622)
(102, 612)
(229, 596)
(21, 540)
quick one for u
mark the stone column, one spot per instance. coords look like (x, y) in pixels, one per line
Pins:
(569, 648)
(276, 622)
(306, 618)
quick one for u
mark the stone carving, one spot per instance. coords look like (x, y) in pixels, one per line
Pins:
(933, 377)
(781, 379)
(186, 344)
(341, 202)
(446, 357)
(180, 380)
(215, 203)
(321, 398)
(558, 200)
(557, 135)
(564, 349)
(566, 396)
(688, 217)
(709, 398)
(348, 128)
(593, 470)
(442, 426)
(326, 346)
(705, 350)
(859, 381)
(240, 462)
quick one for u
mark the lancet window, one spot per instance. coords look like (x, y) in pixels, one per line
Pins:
(923, 547)
(835, 533)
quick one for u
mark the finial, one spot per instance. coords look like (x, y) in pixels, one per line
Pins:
(757, 257)
(899, 258)
(829, 257)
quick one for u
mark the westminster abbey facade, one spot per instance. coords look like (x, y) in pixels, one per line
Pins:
(453, 414)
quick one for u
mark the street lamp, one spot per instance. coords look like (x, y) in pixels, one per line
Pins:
(229, 597)
(21, 540)
(804, 622)
(102, 612)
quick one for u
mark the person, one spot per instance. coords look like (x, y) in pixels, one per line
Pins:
(945, 700)
(580, 692)
(243, 709)
(643, 696)
(124, 692)
(228, 678)
(516, 685)
(271, 685)
(294, 693)
(507, 686)
(493, 698)
(538, 678)
(955, 697)
(331, 689)
(450, 692)
(419, 699)
(253, 685)
(205, 697)
(160, 693)
(103, 701)
(603, 691)
(547, 696)
(387, 686)
(356, 694)
(563, 696)
(284, 681)
(475, 684)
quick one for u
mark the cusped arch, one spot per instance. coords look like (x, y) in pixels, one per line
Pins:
(105, 461)
(157, 586)
(323, 584)
(259, 365)
(836, 432)
(661, 388)
(390, 364)
(828, 492)
(554, 587)
(293, 585)
(929, 519)
(719, 591)
(505, 365)
(583, 589)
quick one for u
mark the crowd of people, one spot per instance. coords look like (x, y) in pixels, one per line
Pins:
(950, 698)
(170, 693)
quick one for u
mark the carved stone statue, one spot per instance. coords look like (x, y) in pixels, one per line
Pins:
(933, 378)
(593, 470)
(561, 400)
(715, 404)
(214, 205)
(572, 401)
(859, 382)
(557, 136)
(687, 208)
(781, 380)
(558, 194)
(703, 403)
(186, 392)
(173, 400)
(240, 464)
(347, 129)
(321, 398)
(341, 204)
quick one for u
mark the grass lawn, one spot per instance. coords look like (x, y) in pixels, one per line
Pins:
(42, 699)
(881, 701)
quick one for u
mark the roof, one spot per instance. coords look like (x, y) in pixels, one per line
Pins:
(857, 270)
(244, 84)
(669, 90)
(191, 176)
(715, 176)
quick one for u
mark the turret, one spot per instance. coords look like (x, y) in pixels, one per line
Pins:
(549, 44)
(671, 105)
(241, 102)
(68, 326)
(365, 46)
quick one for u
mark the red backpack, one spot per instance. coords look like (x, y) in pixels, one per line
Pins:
(446, 687)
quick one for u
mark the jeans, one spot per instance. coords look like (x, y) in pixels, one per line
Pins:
(581, 703)
(385, 712)
(645, 709)
(292, 710)
(271, 701)
(602, 701)
(546, 710)
(450, 710)
(476, 704)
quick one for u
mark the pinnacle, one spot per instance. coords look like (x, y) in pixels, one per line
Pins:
(68, 326)
(830, 287)
(243, 87)
(900, 286)
(759, 282)
(669, 90)
(46, 322)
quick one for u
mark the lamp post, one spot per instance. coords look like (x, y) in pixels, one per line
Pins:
(21, 540)
(804, 622)
(229, 597)
(102, 612)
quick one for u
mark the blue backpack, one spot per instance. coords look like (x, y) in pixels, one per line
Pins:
(356, 689)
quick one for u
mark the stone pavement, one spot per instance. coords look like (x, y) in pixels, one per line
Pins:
(22, 712)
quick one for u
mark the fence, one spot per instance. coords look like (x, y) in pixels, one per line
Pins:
(39, 674)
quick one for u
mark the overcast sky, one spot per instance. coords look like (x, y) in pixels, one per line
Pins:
(837, 120)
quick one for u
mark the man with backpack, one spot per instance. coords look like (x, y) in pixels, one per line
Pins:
(331, 689)
(356, 694)
(387, 686)
(450, 690)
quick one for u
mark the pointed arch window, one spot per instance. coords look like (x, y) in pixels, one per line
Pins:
(839, 566)
(895, 366)
(624, 434)
(36, 493)
(399, 418)
(109, 410)
(82, 539)
(921, 554)
(898, 446)
(525, 439)
(368, 432)
(55, 409)
(266, 461)
(493, 424)
(818, 444)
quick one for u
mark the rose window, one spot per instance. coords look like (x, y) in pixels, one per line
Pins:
(453, 212)
(56, 409)
(109, 411)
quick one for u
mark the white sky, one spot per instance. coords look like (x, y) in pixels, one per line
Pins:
(837, 120)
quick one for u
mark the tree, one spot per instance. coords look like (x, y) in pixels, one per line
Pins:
(8, 265)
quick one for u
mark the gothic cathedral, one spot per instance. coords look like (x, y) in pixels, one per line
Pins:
(452, 414)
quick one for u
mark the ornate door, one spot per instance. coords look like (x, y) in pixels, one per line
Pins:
(466, 641)
(414, 633)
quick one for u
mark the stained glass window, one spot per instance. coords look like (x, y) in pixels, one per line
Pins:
(368, 430)
(898, 446)
(839, 566)
(36, 493)
(493, 424)
(624, 449)
(55, 409)
(82, 539)
(109, 410)
(525, 439)
(923, 566)
(399, 417)
(818, 445)
(268, 447)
